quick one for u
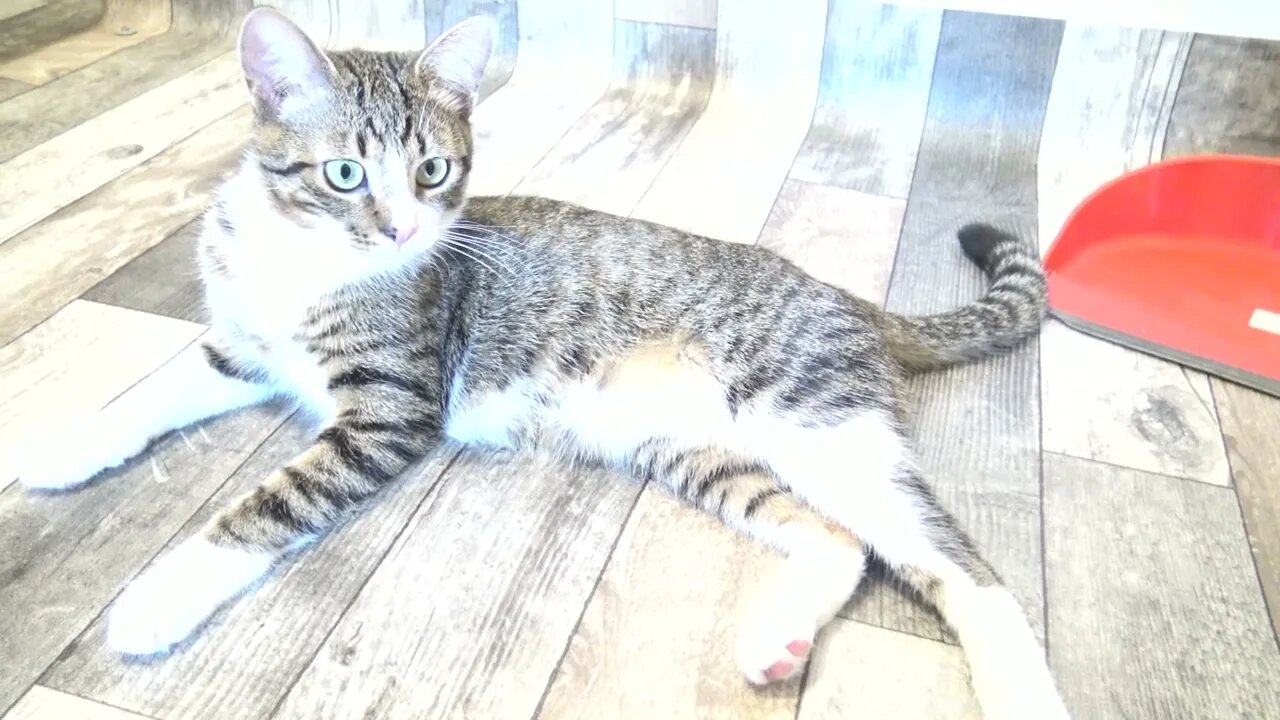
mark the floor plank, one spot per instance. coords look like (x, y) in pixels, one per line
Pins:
(28, 31)
(243, 662)
(442, 16)
(695, 13)
(45, 112)
(1229, 98)
(69, 554)
(863, 671)
(74, 364)
(163, 280)
(876, 73)
(976, 427)
(46, 266)
(1151, 587)
(18, 7)
(54, 174)
(41, 703)
(666, 615)
(661, 83)
(492, 574)
(1249, 422)
(10, 88)
(125, 23)
(768, 58)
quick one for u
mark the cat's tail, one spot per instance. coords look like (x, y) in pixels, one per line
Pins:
(1012, 309)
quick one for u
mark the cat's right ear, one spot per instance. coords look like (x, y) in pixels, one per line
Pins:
(285, 70)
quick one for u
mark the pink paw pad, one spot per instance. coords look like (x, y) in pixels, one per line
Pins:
(778, 670)
(799, 648)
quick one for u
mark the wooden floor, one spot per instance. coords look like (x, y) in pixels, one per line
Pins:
(1133, 505)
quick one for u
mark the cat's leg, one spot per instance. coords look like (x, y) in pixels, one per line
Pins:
(200, 382)
(824, 562)
(861, 473)
(386, 421)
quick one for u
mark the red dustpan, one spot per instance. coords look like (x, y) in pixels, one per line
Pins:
(1180, 259)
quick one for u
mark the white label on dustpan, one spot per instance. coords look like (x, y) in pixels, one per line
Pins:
(1265, 321)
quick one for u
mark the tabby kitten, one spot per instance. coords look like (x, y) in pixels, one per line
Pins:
(345, 267)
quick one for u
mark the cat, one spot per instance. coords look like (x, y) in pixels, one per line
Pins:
(345, 266)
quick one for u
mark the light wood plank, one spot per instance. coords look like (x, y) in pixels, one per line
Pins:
(17, 7)
(734, 160)
(1151, 588)
(666, 615)
(69, 554)
(125, 23)
(863, 671)
(843, 237)
(662, 80)
(1249, 422)
(56, 107)
(74, 364)
(10, 88)
(243, 662)
(1229, 98)
(976, 427)
(68, 167)
(28, 31)
(164, 280)
(48, 265)
(491, 574)
(41, 703)
(1105, 402)
(692, 13)
(876, 71)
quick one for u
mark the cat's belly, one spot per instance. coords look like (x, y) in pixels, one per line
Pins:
(658, 391)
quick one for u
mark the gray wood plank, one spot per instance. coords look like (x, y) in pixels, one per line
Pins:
(32, 30)
(67, 555)
(1228, 100)
(10, 88)
(50, 110)
(469, 613)
(1154, 609)
(440, 16)
(244, 661)
(976, 427)
(876, 70)
(163, 280)
(41, 703)
(55, 261)
(1249, 422)
(691, 13)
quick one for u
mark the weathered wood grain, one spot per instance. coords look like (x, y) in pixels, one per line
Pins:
(44, 267)
(692, 13)
(54, 174)
(662, 80)
(976, 427)
(863, 671)
(490, 575)
(731, 165)
(41, 703)
(68, 554)
(244, 661)
(1154, 609)
(666, 614)
(31, 30)
(1249, 422)
(163, 280)
(843, 237)
(10, 88)
(18, 7)
(45, 112)
(123, 24)
(1229, 98)
(876, 73)
(75, 363)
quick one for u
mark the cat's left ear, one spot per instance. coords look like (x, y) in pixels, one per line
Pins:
(455, 61)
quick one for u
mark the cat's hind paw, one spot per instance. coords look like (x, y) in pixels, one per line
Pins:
(169, 600)
(769, 652)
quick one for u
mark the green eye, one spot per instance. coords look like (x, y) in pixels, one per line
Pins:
(432, 172)
(344, 175)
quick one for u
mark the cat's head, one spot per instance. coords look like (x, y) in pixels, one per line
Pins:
(369, 151)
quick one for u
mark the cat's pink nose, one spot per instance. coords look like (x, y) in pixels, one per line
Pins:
(404, 232)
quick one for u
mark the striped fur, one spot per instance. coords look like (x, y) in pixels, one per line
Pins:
(400, 315)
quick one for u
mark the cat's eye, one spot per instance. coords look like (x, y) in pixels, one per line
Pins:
(344, 175)
(432, 172)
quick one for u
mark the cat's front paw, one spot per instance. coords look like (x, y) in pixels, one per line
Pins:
(60, 460)
(168, 601)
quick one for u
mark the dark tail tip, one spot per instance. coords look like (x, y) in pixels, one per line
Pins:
(979, 240)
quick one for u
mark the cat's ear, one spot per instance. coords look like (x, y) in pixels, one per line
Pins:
(285, 70)
(455, 60)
